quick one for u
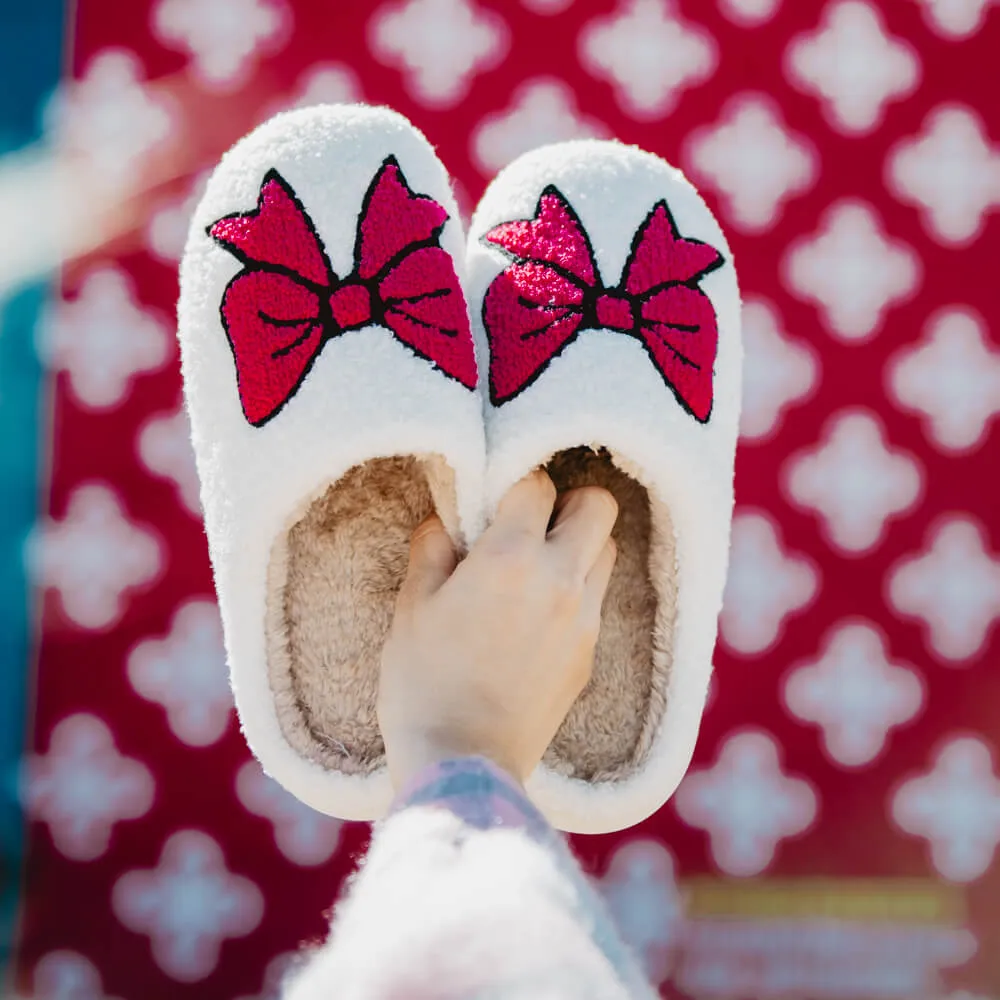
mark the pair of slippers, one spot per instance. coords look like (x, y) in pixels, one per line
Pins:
(351, 362)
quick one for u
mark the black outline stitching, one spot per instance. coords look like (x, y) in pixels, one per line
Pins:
(320, 321)
(587, 309)
(431, 241)
(637, 240)
(256, 265)
(551, 191)
(324, 318)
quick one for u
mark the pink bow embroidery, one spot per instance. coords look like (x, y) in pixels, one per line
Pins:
(284, 305)
(552, 291)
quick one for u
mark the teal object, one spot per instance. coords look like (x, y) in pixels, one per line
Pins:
(31, 37)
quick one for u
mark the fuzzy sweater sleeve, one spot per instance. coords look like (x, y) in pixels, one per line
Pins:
(468, 894)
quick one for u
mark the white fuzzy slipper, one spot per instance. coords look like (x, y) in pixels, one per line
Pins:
(605, 293)
(330, 376)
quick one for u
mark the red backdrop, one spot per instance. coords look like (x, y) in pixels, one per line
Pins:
(836, 834)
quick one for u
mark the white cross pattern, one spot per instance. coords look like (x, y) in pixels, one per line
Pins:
(541, 111)
(954, 586)
(304, 836)
(854, 693)
(642, 895)
(956, 807)
(853, 66)
(94, 556)
(951, 377)
(110, 123)
(648, 54)
(547, 7)
(778, 370)
(851, 270)
(67, 975)
(764, 585)
(440, 45)
(225, 37)
(277, 971)
(186, 673)
(950, 172)
(956, 19)
(164, 446)
(753, 160)
(83, 786)
(746, 803)
(188, 905)
(103, 338)
(854, 481)
(167, 229)
(749, 13)
(321, 83)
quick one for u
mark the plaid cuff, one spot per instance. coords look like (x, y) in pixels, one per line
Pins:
(486, 798)
(476, 791)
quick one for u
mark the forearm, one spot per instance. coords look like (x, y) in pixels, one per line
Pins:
(468, 893)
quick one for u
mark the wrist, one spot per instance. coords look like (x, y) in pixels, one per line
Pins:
(409, 758)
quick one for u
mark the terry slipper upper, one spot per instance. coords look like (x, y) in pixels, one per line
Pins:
(605, 293)
(330, 376)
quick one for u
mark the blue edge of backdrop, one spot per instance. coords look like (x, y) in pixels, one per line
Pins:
(31, 39)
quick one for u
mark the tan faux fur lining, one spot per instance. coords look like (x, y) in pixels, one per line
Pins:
(610, 729)
(333, 582)
(345, 560)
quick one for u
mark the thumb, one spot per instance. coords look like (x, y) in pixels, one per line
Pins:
(432, 559)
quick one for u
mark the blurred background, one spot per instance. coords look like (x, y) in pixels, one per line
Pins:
(837, 834)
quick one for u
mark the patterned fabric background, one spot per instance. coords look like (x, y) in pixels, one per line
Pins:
(837, 834)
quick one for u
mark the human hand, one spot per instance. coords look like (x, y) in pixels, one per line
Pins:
(487, 656)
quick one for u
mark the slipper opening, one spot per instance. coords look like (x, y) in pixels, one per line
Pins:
(333, 581)
(610, 729)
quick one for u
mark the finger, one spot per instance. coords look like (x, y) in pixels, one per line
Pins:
(595, 587)
(432, 560)
(526, 508)
(582, 528)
